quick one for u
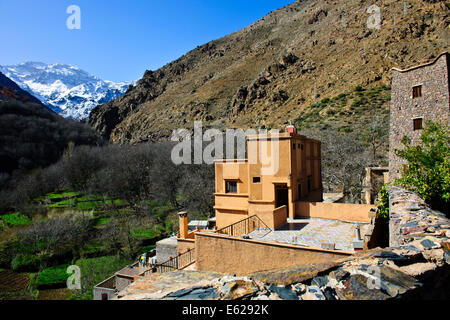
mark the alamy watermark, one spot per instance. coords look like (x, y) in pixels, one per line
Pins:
(74, 20)
(265, 151)
(74, 280)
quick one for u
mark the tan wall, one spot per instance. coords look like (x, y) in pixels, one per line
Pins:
(273, 218)
(224, 219)
(338, 211)
(279, 217)
(185, 245)
(231, 201)
(234, 255)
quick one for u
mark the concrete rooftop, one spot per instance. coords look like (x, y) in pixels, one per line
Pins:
(313, 233)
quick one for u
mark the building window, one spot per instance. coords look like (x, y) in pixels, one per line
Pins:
(256, 179)
(309, 185)
(299, 192)
(418, 124)
(293, 146)
(417, 92)
(230, 186)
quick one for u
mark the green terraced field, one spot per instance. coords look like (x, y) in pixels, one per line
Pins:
(15, 219)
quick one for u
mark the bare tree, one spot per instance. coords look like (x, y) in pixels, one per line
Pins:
(344, 160)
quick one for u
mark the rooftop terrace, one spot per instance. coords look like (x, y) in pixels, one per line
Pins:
(314, 233)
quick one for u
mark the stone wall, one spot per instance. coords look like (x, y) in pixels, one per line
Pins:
(416, 266)
(433, 105)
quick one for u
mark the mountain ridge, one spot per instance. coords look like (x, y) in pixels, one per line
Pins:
(65, 89)
(277, 68)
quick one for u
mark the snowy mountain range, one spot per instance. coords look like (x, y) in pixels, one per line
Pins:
(67, 90)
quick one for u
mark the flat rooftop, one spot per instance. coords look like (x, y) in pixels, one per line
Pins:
(172, 241)
(314, 233)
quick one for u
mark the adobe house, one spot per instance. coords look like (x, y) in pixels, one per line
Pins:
(418, 94)
(242, 191)
(276, 219)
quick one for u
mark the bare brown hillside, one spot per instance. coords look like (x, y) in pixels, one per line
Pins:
(271, 71)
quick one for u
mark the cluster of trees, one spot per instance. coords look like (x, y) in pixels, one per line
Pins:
(138, 173)
(345, 157)
(32, 137)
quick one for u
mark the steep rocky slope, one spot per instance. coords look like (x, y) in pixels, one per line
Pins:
(9, 90)
(274, 70)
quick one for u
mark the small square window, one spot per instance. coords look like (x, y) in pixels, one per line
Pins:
(417, 92)
(256, 179)
(231, 187)
(418, 124)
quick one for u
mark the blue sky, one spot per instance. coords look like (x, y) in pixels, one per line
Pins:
(119, 40)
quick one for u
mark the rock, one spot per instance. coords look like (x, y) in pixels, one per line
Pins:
(447, 256)
(288, 59)
(313, 293)
(284, 293)
(238, 289)
(317, 16)
(339, 275)
(179, 293)
(428, 244)
(389, 256)
(196, 294)
(329, 294)
(356, 288)
(319, 281)
(406, 231)
(396, 281)
(294, 275)
(410, 248)
(411, 224)
(418, 269)
(431, 229)
(300, 288)
(436, 256)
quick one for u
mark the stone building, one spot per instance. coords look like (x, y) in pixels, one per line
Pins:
(419, 94)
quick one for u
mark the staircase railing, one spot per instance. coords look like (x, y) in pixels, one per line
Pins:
(245, 227)
(181, 261)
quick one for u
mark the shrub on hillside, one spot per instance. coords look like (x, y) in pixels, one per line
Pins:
(53, 276)
(428, 165)
(25, 262)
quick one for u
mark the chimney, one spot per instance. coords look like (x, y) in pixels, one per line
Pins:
(183, 224)
(291, 128)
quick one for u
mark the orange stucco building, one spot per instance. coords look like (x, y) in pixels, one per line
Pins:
(243, 188)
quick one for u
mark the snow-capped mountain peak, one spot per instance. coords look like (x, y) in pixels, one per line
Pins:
(65, 89)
